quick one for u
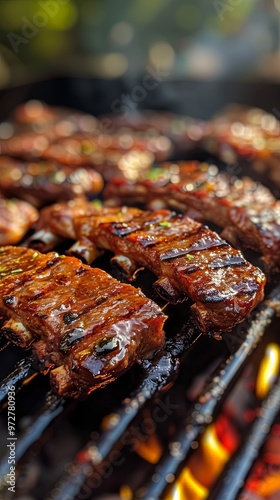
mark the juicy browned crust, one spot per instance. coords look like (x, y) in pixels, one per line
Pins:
(45, 182)
(85, 327)
(189, 260)
(243, 207)
(16, 218)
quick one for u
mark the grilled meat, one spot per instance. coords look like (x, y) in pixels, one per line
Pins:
(34, 125)
(188, 259)
(246, 209)
(16, 218)
(123, 155)
(184, 132)
(45, 182)
(27, 144)
(109, 162)
(57, 223)
(83, 148)
(39, 117)
(247, 134)
(85, 327)
(75, 139)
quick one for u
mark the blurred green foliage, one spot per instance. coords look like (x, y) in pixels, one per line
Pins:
(74, 36)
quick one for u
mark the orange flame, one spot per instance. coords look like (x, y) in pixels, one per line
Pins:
(269, 485)
(187, 488)
(268, 370)
(126, 492)
(210, 458)
(150, 449)
(218, 442)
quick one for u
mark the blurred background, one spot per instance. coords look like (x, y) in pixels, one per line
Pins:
(127, 40)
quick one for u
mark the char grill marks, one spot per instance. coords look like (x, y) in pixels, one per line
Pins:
(188, 259)
(245, 209)
(16, 218)
(85, 327)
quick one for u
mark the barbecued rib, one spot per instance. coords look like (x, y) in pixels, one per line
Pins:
(243, 134)
(108, 161)
(56, 223)
(16, 218)
(82, 147)
(188, 259)
(246, 209)
(44, 182)
(85, 327)
(39, 116)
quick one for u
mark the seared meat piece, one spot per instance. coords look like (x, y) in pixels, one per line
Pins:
(85, 327)
(40, 117)
(241, 133)
(34, 125)
(241, 206)
(83, 148)
(83, 151)
(26, 145)
(59, 217)
(75, 139)
(16, 218)
(45, 182)
(189, 260)
(183, 131)
(57, 223)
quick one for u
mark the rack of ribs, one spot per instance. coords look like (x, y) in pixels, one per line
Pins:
(83, 326)
(246, 210)
(189, 260)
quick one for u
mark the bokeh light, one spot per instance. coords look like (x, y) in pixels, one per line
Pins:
(112, 65)
(121, 33)
(102, 38)
(162, 54)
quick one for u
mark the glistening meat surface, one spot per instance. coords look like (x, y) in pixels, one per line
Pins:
(245, 209)
(16, 218)
(85, 327)
(45, 182)
(189, 260)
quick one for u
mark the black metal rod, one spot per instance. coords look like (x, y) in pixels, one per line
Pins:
(53, 407)
(201, 414)
(16, 378)
(158, 372)
(3, 343)
(238, 468)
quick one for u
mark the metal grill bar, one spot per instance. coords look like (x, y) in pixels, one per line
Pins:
(201, 414)
(241, 464)
(51, 410)
(22, 370)
(3, 343)
(158, 372)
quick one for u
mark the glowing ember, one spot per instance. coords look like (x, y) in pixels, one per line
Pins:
(264, 480)
(187, 488)
(150, 449)
(218, 442)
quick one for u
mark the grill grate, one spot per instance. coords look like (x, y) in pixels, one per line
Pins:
(203, 410)
(17, 377)
(157, 374)
(52, 409)
(156, 377)
(237, 470)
